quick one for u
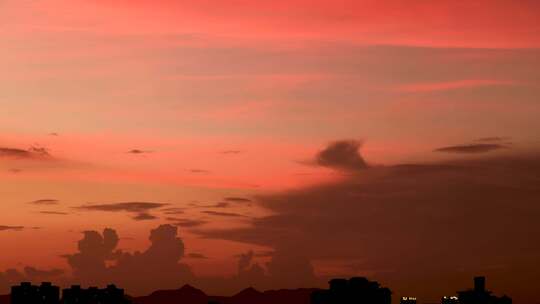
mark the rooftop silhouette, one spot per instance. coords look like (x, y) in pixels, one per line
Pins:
(46, 293)
(354, 290)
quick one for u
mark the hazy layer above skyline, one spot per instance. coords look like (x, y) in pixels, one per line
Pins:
(365, 130)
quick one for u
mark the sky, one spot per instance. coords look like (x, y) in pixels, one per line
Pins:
(276, 144)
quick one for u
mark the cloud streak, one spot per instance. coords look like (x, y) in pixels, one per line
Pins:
(472, 148)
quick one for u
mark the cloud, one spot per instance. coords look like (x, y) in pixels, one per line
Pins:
(125, 206)
(227, 214)
(142, 209)
(471, 148)
(217, 205)
(45, 201)
(144, 217)
(137, 151)
(158, 267)
(54, 212)
(342, 155)
(441, 211)
(11, 228)
(34, 152)
(238, 200)
(174, 210)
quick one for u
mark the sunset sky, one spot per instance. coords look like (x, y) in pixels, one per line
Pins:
(287, 141)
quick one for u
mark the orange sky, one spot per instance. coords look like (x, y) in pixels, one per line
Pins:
(187, 103)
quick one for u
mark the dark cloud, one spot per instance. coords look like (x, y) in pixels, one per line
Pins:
(138, 207)
(471, 148)
(174, 210)
(195, 255)
(216, 205)
(158, 267)
(227, 214)
(53, 134)
(458, 217)
(15, 170)
(45, 201)
(54, 212)
(137, 151)
(34, 152)
(238, 200)
(144, 217)
(342, 155)
(11, 228)
(142, 209)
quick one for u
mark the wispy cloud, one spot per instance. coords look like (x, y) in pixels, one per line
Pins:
(471, 148)
(138, 207)
(45, 201)
(54, 212)
(34, 152)
(227, 214)
(11, 228)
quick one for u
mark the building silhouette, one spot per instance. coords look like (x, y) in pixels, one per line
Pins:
(480, 295)
(93, 295)
(449, 300)
(407, 300)
(354, 290)
(26, 293)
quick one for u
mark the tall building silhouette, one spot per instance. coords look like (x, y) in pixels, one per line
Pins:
(449, 300)
(354, 290)
(26, 293)
(480, 295)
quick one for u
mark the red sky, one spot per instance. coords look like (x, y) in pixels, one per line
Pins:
(187, 103)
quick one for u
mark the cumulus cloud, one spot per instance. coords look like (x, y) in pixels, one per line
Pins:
(471, 148)
(342, 155)
(158, 267)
